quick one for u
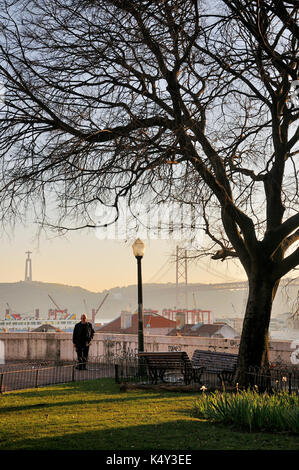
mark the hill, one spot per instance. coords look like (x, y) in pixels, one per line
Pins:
(226, 300)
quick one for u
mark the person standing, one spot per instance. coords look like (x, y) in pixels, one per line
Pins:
(82, 336)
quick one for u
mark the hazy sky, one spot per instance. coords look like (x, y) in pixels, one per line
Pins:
(82, 259)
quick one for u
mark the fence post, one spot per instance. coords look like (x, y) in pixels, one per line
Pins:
(73, 373)
(36, 378)
(290, 383)
(1, 381)
(116, 374)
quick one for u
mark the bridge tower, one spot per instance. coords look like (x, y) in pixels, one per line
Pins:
(181, 276)
(183, 257)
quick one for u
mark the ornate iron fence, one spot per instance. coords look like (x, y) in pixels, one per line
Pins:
(280, 378)
(31, 374)
(126, 368)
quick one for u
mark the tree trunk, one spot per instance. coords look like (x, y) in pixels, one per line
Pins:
(254, 347)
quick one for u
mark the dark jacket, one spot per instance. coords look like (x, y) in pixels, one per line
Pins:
(83, 333)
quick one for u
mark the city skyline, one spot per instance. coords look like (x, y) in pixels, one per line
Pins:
(81, 259)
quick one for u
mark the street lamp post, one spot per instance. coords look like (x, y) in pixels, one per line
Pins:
(138, 250)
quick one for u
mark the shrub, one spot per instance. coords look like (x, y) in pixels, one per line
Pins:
(250, 410)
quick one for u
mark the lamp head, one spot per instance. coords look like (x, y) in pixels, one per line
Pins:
(138, 248)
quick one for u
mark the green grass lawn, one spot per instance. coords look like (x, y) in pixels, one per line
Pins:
(96, 415)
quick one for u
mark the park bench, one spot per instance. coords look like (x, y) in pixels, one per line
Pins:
(158, 363)
(222, 364)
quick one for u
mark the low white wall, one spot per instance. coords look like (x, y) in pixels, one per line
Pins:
(58, 346)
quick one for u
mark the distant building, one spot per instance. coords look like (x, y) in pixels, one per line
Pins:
(189, 316)
(237, 324)
(155, 324)
(216, 330)
(127, 323)
(45, 328)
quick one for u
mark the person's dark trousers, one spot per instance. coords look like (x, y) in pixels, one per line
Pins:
(82, 354)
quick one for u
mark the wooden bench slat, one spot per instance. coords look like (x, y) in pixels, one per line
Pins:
(222, 364)
(159, 362)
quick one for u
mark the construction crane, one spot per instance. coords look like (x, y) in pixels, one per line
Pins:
(58, 309)
(57, 306)
(96, 311)
(86, 308)
(101, 303)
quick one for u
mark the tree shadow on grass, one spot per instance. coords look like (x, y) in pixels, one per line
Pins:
(110, 393)
(171, 435)
(180, 435)
(72, 403)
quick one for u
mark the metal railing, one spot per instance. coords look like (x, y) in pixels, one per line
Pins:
(278, 379)
(126, 369)
(22, 375)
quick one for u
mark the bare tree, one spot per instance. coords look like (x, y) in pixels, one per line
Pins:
(183, 99)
